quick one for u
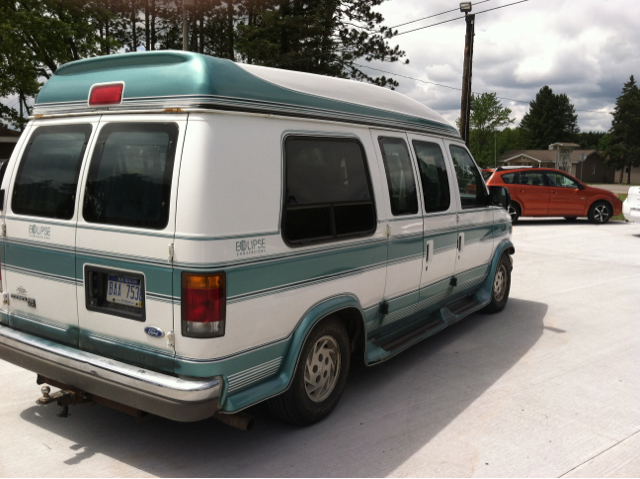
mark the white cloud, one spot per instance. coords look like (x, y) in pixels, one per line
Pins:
(584, 48)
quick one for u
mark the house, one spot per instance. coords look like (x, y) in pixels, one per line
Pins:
(8, 140)
(586, 165)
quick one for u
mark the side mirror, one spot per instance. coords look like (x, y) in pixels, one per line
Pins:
(580, 186)
(499, 196)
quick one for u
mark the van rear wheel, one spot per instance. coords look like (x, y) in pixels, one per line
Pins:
(319, 378)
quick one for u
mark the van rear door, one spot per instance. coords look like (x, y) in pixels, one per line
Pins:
(125, 236)
(40, 219)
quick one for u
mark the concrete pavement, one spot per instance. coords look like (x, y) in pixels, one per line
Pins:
(548, 387)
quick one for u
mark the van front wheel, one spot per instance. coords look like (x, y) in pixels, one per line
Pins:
(319, 378)
(501, 286)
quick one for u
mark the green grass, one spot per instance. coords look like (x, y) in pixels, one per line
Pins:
(620, 217)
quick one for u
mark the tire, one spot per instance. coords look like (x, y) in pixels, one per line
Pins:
(600, 212)
(514, 211)
(571, 218)
(327, 344)
(501, 286)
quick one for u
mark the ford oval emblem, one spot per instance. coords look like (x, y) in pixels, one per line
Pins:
(154, 332)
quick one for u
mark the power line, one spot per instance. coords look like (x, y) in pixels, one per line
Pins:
(460, 89)
(458, 18)
(436, 15)
(275, 61)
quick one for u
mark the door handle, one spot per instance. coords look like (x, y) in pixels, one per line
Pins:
(461, 242)
(428, 251)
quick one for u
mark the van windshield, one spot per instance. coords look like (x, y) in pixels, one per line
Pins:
(129, 181)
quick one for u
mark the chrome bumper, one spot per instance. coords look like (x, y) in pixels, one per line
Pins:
(167, 396)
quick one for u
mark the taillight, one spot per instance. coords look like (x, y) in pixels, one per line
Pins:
(102, 95)
(203, 305)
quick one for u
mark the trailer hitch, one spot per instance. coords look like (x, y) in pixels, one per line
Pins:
(63, 398)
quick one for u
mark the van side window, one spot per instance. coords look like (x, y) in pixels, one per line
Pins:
(129, 181)
(328, 191)
(470, 182)
(402, 185)
(433, 174)
(47, 178)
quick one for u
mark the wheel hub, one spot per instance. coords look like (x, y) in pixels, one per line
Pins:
(322, 369)
(500, 283)
(601, 213)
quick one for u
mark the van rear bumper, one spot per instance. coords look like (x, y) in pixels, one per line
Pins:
(160, 394)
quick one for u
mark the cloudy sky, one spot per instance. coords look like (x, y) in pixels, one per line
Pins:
(584, 48)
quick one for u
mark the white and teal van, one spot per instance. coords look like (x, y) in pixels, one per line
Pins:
(187, 236)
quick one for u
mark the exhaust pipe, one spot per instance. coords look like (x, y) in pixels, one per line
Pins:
(240, 420)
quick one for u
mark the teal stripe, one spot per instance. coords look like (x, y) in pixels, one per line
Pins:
(402, 247)
(44, 328)
(56, 262)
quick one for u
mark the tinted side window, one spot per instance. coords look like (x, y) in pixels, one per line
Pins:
(560, 180)
(47, 179)
(402, 185)
(531, 178)
(470, 183)
(509, 178)
(129, 181)
(328, 191)
(433, 174)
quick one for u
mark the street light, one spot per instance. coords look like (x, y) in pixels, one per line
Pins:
(465, 7)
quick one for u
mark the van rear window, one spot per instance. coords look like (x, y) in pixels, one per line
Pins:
(328, 191)
(47, 178)
(129, 181)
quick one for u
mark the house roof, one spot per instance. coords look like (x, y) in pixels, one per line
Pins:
(546, 156)
(564, 145)
(172, 79)
(6, 132)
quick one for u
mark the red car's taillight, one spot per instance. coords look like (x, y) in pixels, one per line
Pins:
(203, 305)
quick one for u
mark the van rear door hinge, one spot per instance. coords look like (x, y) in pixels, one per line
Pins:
(4, 230)
(170, 252)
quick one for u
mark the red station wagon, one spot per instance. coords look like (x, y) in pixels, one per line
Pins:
(550, 192)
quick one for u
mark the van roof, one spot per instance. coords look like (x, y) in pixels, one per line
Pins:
(172, 79)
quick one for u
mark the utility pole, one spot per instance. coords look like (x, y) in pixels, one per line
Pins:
(186, 5)
(465, 107)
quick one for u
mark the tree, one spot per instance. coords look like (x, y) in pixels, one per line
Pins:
(37, 36)
(487, 116)
(590, 140)
(551, 118)
(622, 147)
(322, 36)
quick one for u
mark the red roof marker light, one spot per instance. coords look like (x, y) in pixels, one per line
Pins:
(102, 95)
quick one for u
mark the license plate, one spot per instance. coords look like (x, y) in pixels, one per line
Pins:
(123, 290)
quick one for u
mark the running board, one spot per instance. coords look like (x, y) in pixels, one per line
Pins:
(462, 305)
(392, 343)
(446, 316)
